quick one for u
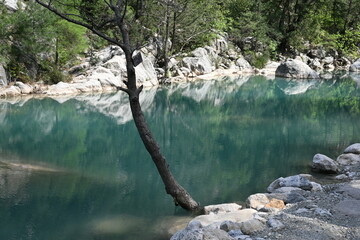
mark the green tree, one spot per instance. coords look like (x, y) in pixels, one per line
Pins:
(34, 42)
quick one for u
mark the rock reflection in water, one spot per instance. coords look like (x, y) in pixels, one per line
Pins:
(224, 140)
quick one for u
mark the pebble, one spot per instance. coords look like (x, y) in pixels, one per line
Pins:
(275, 224)
(341, 177)
(301, 211)
(322, 212)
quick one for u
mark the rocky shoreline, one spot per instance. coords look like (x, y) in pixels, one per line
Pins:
(295, 207)
(105, 70)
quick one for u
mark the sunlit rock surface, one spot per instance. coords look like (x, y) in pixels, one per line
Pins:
(295, 69)
(12, 4)
(3, 78)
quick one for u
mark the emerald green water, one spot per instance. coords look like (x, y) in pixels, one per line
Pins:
(87, 175)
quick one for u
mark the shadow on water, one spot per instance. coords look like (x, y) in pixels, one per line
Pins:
(224, 139)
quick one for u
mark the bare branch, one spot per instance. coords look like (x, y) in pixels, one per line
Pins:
(106, 22)
(107, 3)
(124, 90)
(125, 9)
(88, 26)
(192, 36)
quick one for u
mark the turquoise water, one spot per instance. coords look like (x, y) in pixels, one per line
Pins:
(74, 167)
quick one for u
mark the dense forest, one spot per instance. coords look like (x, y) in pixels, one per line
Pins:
(37, 45)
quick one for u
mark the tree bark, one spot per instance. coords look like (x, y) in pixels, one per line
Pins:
(180, 195)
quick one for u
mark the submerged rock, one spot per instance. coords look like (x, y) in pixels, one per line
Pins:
(323, 163)
(354, 148)
(295, 69)
(292, 181)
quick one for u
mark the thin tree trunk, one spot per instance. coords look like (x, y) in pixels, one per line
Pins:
(180, 195)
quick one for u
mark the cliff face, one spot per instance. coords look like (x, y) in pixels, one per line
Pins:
(3, 78)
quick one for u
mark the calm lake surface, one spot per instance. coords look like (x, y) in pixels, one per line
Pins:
(74, 168)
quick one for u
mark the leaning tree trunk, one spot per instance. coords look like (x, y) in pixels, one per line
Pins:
(180, 195)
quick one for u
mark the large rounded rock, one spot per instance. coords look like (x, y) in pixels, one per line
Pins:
(257, 201)
(199, 65)
(295, 69)
(193, 231)
(291, 181)
(355, 67)
(354, 148)
(10, 92)
(222, 208)
(105, 77)
(243, 64)
(61, 88)
(199, 52)
(24, 88)
(323, 163)
(237, 216)
(348, 159)
(251, 226)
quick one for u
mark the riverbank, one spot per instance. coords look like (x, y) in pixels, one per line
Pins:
(296, 207)
(105, 71)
